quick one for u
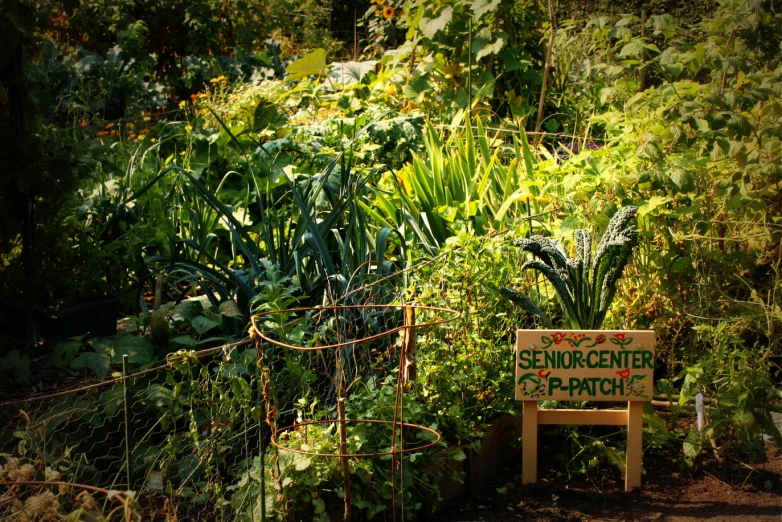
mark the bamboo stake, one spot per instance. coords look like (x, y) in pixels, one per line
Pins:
(546, 67)
(343, 449)
(409, 340)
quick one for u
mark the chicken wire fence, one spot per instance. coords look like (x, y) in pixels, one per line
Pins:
(190, 439)
(170, 434)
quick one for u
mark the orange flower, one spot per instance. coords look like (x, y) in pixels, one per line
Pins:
(388, 12)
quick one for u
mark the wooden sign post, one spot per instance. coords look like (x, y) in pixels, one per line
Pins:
(584, 365)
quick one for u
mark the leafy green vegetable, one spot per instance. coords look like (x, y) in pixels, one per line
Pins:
(585, 288)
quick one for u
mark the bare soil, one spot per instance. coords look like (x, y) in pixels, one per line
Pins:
(670, 492)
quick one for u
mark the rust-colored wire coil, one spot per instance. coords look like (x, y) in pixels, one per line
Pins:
(259, 332)
(402, 451)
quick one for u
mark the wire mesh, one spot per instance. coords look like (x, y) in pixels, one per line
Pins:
(172, 434)
(190, 438)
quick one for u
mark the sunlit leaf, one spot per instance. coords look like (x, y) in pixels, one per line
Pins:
(312, 64)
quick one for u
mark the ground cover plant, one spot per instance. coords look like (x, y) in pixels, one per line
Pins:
(208, 162)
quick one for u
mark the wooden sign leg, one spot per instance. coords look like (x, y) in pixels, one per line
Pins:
(529, 443)
(635, 427)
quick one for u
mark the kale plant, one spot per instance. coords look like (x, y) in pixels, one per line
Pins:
(585, 285)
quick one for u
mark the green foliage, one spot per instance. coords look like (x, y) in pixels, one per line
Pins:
(585, 288)
(461, 55)
(326, 188)
(465, 373)
(17, 364)
(468, 182)
(312, 64)
(738, 376)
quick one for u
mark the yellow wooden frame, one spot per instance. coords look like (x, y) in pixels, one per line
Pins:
(632, 417)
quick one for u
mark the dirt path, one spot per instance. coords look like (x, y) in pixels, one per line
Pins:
(669, 493)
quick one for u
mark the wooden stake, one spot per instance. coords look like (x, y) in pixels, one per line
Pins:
(159, 282)
(343, 448)
(546, 67)
(529, 446)
(635, 426)
(409, 339)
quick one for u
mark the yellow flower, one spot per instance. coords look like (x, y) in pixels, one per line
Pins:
(153, 140)
(526, 196)
(452, 70)
(142, 137)
(188, 128)
(182, 104)
(219, 79)
(388, 12)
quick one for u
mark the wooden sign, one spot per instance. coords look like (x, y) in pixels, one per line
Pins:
(579, 365)
(571, 365)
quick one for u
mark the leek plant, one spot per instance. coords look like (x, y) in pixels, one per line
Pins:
(313, 228)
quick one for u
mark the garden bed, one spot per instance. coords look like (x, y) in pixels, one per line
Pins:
(670, 492)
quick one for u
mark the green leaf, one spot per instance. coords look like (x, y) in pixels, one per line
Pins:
(17, 363)
(653, 203)
(632, 48)
(771, 429)
(683, 180)
(414, 90)
(482, 46)
(312, 64)
(266, 116)
(229, 309)
(185, 340)
(301, 462)
(430, 23)
(202, 324)
(481, 7)
(692, 444)
(526, 304)
(319, 504)
(138, 349)
(98, 363)
(159, 395)
(673, 69)
(681, 265)
(64, 353)
(189, 309)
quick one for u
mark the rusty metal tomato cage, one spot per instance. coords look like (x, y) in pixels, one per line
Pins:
(405, 374)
